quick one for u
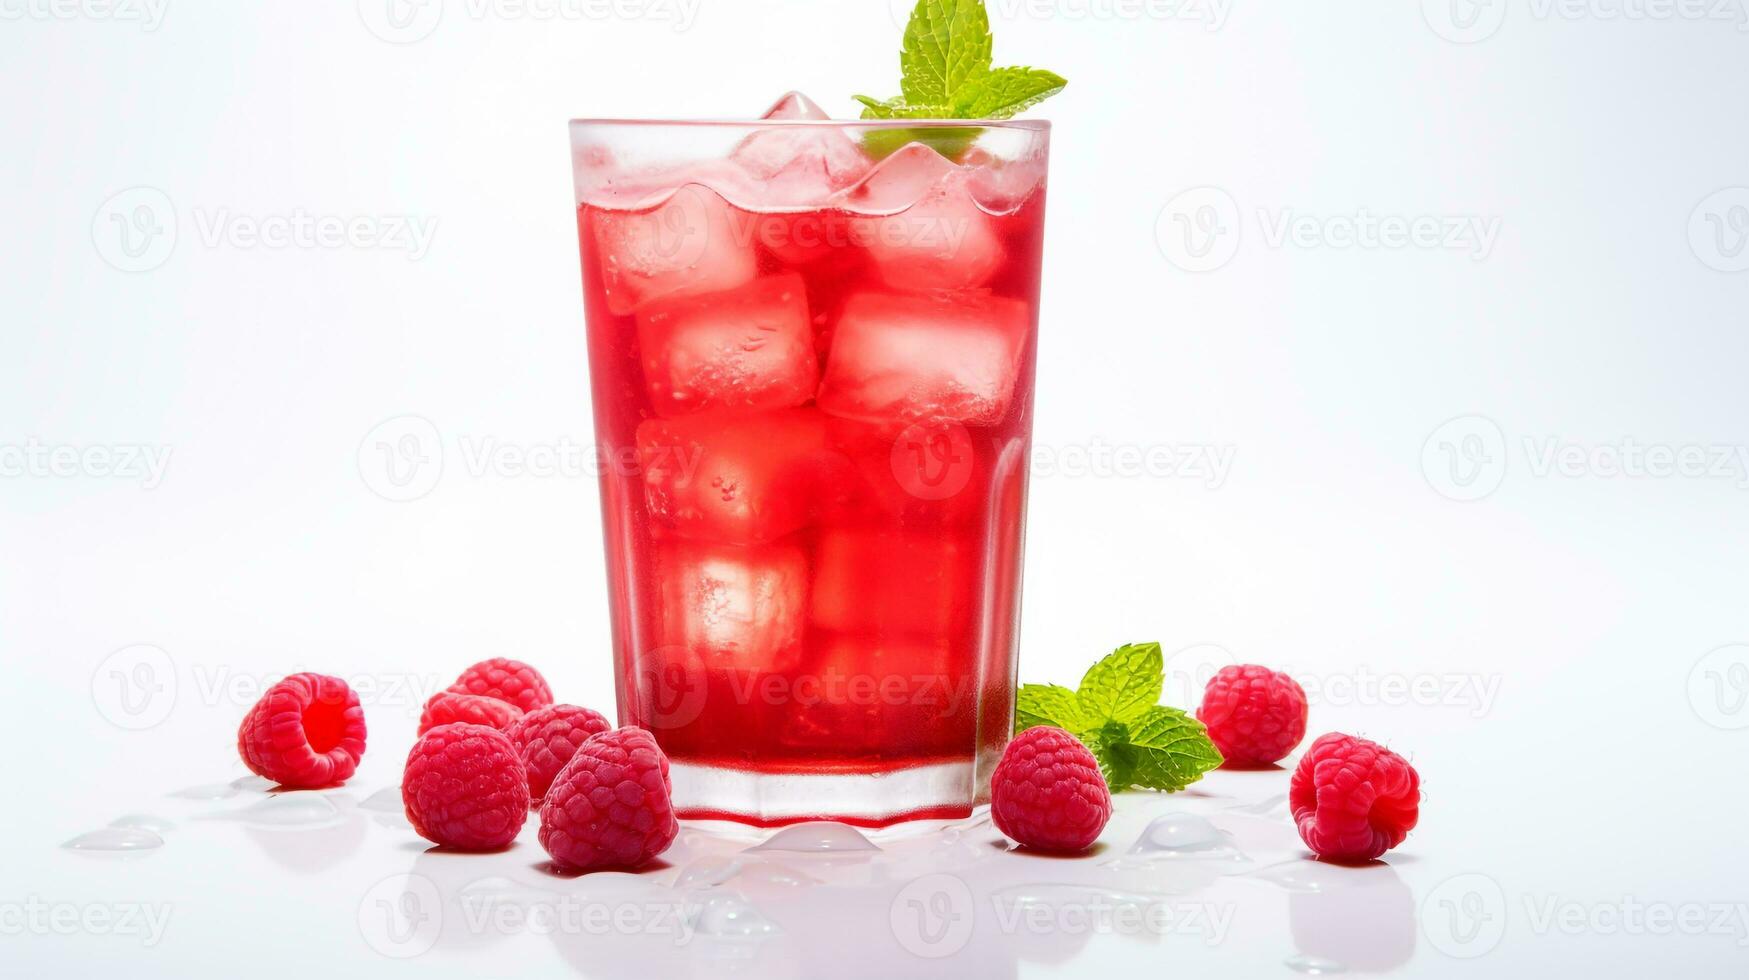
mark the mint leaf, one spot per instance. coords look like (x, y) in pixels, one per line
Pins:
(1002, 93)
(945, 73)
(873, 108)
(1124, 684)
(1110, 747)
(947, 43)
(1171, 749)
(1047, 704)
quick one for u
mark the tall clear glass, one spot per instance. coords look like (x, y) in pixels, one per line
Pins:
(811, 347)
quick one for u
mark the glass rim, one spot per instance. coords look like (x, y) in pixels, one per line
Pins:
(1026, 125)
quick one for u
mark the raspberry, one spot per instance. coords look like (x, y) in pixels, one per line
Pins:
(306, 731)
(1254, 715)
(446, 707)
(547, 737)
(1047, 792)
(506, 680)
(465, 787)
(1353, 799)
(610, 806)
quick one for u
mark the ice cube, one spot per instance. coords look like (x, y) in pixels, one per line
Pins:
(941, 357)
(880, 580)
(924, 475)
(799, 165)
(747, 349)
(921, 225)
(795, 105)
(742, 479)
(689, 244)
(732, 607)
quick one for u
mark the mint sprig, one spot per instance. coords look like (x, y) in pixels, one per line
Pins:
(945, 73)
(1137, 741)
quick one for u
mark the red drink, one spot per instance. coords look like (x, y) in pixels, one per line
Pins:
(813, 380)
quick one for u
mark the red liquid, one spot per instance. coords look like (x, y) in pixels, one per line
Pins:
(816, 431)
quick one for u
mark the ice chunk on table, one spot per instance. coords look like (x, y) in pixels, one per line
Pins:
(688, 244)
(952, 357)
(746, 479)
(747, 349)
(732, 607)
(923, 229)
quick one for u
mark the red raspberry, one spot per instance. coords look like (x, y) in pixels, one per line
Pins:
(1254, 715)
(506, 680)
(548, 737)
(610, 806)
(465, 787)
(1047, 792)
(446, 707)
(306, 731)
(1353, 799)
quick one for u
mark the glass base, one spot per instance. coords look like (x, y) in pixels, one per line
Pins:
(942, 791)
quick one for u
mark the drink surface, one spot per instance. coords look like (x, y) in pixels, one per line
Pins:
(813, 385)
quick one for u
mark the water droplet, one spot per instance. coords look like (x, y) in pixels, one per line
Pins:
(1312, 966)
(816, 836)
(707, 872)
(116, 839)
(144, 821)
(290, 810)
(207, 791)
(386, 800)
(728, 915)
(1179, 837)
(253, 784)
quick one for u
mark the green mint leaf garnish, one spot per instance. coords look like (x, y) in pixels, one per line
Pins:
(947, 43)
(1124, 684)
(1137, 742)
(945, 73)
(1047, 704)
(1003, 93)
(1172, 749)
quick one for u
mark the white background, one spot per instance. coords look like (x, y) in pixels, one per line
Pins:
(1542, 652)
